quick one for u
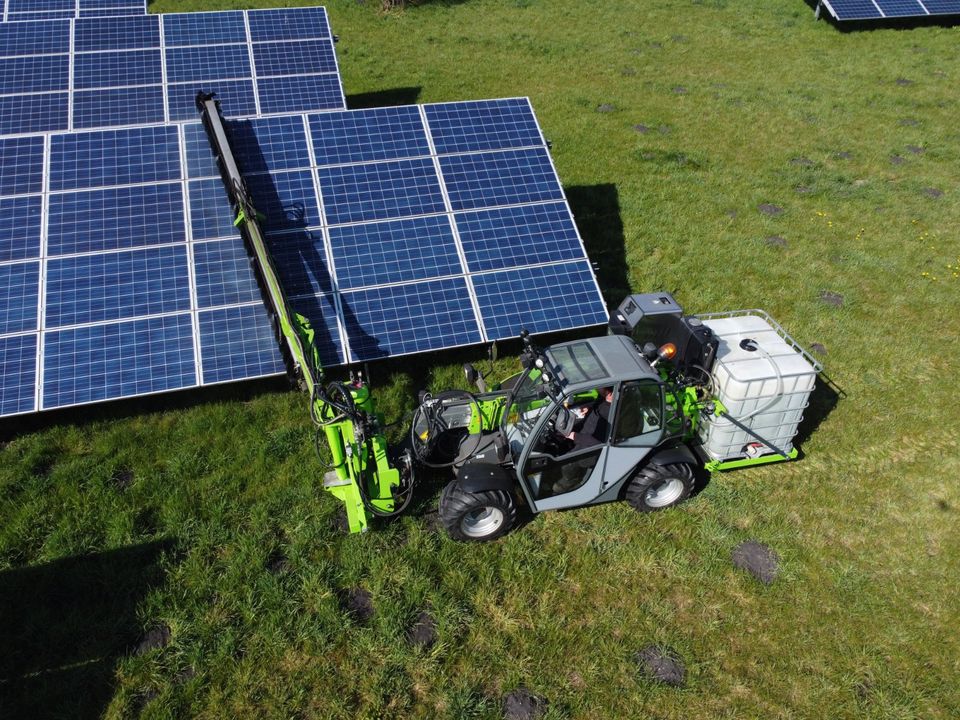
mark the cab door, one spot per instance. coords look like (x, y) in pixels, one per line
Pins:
(555, 472)
(640, 425)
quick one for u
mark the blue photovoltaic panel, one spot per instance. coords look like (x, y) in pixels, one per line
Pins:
(200, 160)
(215, 62)
(237, 343)
(484, 125)
(19, 293)
(300, 93)
(395, 251)
(113, 286)
(114, 157)
(99, 362)
(115, 218)
(42, 73)
(362, 135)
(40, 5)
(213, 28)
(540, 299)
(117, 33)
(287, 200)
(223, 274)
(870, 10)
(34, 38)
(378, 191)
(117, 69)
(525, 235)
(901, 8)
(18, 374)
(33, 113)
(409, 318)
(502, 178)
(261, 145)
(117, 106)
(236, 98)
(21, 165)
(20, 228)
(301, 262)
(294, 58)
(942, 7)
(288, 24)
(210, 213)
(56, 15)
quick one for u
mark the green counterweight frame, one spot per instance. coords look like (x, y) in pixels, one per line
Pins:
(361, 474)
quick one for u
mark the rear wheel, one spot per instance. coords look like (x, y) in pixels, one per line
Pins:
(657, 487)
(477, 517)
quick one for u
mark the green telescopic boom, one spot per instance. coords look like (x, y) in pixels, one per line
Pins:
(362, 474)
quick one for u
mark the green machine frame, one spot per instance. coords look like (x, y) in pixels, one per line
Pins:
(362, 474)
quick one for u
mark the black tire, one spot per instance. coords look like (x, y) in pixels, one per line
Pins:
(673, 482)
(477, 517)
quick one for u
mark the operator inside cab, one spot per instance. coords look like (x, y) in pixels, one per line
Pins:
(591, 423)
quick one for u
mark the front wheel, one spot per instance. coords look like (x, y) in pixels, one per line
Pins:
(657, 487)
(477, 517)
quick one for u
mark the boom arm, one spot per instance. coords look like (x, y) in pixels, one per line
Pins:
(361, 475)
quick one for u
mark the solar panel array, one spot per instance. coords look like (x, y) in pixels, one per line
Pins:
(25, 10)
(138, 70)
(396, 230)
(409, 229)
(879, 9)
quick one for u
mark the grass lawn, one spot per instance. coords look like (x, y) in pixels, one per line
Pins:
(184, 561)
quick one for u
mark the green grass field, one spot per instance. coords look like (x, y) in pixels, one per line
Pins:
(671, 123)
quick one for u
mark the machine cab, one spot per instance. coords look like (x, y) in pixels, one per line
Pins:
(578, 426)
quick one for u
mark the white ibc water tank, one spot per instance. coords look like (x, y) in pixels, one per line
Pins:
(763, 378)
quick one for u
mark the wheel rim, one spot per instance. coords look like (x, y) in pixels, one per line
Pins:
(666, 493)
(481, 522)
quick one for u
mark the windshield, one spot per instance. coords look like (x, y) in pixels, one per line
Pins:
(528, 402)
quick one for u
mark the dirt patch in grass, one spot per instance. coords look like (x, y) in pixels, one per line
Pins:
(932, 192)
(770, 209)
(122, 478)
(915, 149)
(155, 638)
(662, 665)
(802, 162)
(776, 241)
(606, 108)
(641, 128)
(679, 90)
(909, 122)
(897, 160)
(758, 560)
(277, 562)
(521, 704)
(356, 602)
(818, 348)
(423, 632)
(843, 155)
(829, 297)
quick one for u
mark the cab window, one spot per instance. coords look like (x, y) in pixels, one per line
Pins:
(639, 414)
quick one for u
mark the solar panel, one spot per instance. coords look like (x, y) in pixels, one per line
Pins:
(395, 231)
(26, 10)
(400, 248)
(99, 72)
(880, 9)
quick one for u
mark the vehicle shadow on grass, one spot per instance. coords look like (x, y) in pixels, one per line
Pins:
(64, 625)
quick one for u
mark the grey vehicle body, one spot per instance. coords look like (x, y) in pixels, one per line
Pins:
(519, 453)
